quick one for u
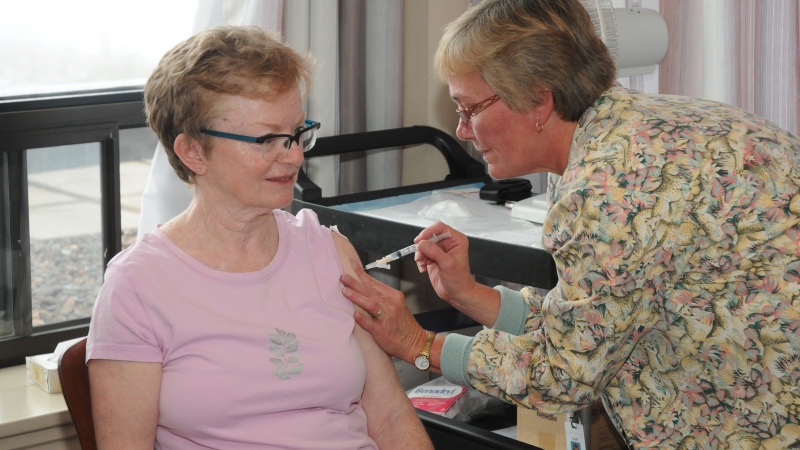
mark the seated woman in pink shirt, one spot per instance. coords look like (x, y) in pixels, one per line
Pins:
(226, 327)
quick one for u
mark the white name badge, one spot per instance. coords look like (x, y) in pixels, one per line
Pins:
(574, 433)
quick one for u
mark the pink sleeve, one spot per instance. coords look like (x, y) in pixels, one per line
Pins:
(121, 328)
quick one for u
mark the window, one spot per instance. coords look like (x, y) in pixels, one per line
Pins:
(64, 222)
(74, 154)
(65, 46)
(68, 186)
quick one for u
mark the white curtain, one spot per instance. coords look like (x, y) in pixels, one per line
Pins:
(311, 26)
(741, 52)
(384, 86)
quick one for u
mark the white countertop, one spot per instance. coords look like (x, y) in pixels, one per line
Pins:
(25, 408)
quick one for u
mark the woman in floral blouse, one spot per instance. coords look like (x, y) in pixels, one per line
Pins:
(674, 225)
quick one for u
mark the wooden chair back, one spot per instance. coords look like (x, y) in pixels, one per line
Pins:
(74, 376)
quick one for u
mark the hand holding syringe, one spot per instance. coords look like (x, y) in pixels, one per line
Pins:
(383, 263)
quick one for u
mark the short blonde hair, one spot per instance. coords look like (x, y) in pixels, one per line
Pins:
(182, 93)
(523, 48)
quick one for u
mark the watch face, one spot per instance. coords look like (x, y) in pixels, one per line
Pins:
(422, 362)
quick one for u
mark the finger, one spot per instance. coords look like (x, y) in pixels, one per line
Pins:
(375, 288)
(363, 276)
(362, 301)
(430, 252)
(365, 322)
(350, 281)
(362, 282)
(437, 229)
(352, 284)
(421, 260)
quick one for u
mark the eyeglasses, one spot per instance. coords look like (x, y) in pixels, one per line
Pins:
(468, 113)
(305, 137)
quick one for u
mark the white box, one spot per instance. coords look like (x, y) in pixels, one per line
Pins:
(43, 372)
(533, 209)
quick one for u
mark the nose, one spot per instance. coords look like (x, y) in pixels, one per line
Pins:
(464, 131)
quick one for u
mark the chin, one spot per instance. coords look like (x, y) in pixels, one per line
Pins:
(284, 203)
(499, 173)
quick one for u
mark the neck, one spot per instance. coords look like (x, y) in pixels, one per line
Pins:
(237, 228)
(559, 139)
(223, 239)
(566, 144)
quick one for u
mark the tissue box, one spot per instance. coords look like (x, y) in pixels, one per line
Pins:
(43, 372)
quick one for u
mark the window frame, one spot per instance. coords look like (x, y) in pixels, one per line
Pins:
(88, 117)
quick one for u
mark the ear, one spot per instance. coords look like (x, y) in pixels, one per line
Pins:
(191, 153)
(544, 110)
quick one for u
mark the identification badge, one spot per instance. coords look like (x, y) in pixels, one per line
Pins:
(574, 433)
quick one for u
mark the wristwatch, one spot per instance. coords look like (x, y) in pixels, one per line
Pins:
(423, 360)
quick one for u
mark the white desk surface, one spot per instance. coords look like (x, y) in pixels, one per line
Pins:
(459, 207)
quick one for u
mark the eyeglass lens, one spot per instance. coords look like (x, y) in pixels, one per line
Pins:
(468, 113)
(305, 138)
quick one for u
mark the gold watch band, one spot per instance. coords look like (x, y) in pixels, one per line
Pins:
(426, 349)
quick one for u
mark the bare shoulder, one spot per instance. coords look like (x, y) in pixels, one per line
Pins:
(349, 257)
(347, 253)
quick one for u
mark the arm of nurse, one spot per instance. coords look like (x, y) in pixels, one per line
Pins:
(125, 397)
(447, 264)
(392, 421)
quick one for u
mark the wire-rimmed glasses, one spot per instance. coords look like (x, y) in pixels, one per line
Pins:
(468, 113)
(305, 137)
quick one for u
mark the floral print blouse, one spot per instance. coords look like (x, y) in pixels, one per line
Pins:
(675, 230)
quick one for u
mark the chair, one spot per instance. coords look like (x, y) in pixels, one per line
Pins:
(74, 376)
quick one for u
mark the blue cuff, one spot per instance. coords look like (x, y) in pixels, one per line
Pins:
(454, 358)
(513, 311)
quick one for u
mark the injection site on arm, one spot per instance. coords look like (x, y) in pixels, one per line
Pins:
(383, 263)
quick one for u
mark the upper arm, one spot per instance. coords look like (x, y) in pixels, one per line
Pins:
(348, 257)
(125, 402)
(391, 419)
(382, 391)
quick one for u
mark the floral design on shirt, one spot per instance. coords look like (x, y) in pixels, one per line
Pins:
(284, 346)
(675, 230)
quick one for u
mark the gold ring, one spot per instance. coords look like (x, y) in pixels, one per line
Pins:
(380, 311)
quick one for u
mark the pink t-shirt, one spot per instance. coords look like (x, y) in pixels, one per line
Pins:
(255, 360)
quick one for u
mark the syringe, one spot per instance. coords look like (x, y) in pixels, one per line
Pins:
(383, 263)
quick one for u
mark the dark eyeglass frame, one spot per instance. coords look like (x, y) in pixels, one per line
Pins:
(310, 125)
(467, 114)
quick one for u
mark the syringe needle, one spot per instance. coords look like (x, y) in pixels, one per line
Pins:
(383, 263)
